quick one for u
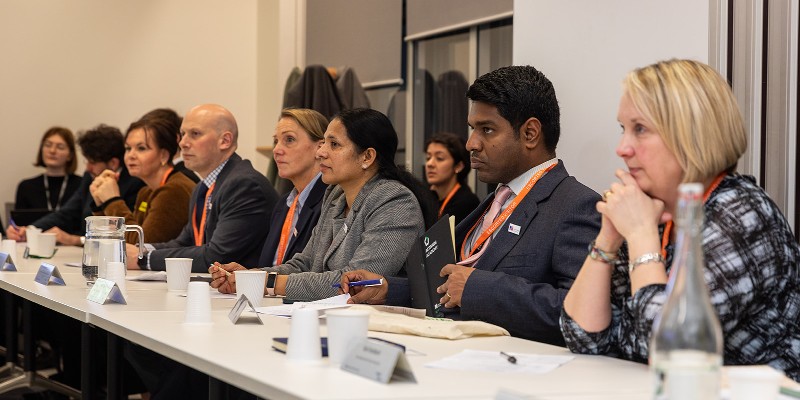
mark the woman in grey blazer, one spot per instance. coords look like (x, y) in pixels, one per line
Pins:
(371, 214)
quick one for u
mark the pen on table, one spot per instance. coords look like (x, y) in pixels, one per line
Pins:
(368, 282)
(509, 357)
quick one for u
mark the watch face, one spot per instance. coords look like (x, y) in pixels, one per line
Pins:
(271, 278)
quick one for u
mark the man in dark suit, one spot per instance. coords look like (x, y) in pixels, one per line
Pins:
(519, 255)
(227, 204)
(104, 148)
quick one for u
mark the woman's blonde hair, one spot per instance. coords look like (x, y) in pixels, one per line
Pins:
(311, 121)
(693, 109)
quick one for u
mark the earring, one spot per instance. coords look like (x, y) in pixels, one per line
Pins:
(363, 166)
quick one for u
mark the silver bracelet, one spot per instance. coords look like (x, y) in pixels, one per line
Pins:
(645, 259)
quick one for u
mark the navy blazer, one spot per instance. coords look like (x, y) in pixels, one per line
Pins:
(306, 221)
(521, 280)
(241, 198)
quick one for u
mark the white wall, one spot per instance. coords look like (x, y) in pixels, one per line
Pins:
(79, 63)
(586, 47)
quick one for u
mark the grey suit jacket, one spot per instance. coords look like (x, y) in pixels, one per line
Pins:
(375, 235)
(236, 225)
(521, 280)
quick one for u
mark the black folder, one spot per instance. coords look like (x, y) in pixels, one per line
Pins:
(430, 253)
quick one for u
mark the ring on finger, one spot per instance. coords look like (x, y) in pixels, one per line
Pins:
(448, 295)
(607, 194)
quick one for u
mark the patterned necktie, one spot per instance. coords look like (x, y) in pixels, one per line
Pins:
(501, 195)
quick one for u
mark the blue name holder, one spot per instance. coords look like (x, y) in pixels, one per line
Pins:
(48, 273)
(6, 263)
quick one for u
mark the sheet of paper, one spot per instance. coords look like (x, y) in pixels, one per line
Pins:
(149, 276)
(493, 361)
(77, 264)
(285, 310)
(215, 294)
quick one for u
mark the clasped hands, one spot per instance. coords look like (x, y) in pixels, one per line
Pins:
(104, 187)
(452, 290)
(628, 212)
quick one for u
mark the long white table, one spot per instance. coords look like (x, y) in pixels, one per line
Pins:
(241, 354)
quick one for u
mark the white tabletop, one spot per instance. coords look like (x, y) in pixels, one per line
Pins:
(242, 356)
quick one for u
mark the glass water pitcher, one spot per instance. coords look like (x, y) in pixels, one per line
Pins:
(105, 242)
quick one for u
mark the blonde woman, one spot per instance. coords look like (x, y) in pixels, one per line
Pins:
(680, 123)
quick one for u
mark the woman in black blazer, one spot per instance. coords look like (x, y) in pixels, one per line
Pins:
(446, 170)
(297, 136)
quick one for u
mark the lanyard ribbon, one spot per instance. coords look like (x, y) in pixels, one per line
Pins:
(668, 225)
(286, 231)
(501, 219)
(199, 233)
(449, 196)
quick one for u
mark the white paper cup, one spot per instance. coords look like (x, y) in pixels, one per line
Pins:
(115, 271)
(251, 283)
(178, 273)
(304, 344)
(754, 382)
(346, 328)
(10, 248)
(43, 244)
(198, 303)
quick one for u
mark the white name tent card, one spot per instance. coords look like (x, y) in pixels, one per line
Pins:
(238, 308)
(104, 291)
(6, 263)
(48, 273)
(379, 361)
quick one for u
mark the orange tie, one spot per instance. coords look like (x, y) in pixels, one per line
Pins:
(286, 231)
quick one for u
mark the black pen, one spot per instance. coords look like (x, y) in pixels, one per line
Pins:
(509, 357)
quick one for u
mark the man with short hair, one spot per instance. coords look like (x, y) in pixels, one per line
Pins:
(104, 148)
(229, 207)
(521, 249)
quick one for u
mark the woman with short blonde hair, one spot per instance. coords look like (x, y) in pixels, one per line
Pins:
(680, 123)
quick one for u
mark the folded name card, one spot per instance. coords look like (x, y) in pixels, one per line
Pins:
(105, 291)
(236, 312)
(47, 274)
(6, 263)
(380, 361)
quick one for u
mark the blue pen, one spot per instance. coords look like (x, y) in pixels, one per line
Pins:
(369, 282)
(14, 224)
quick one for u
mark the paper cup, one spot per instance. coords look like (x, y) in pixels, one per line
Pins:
(115, 271)
(304, 344)
(10, 247)
(178, 273)
(346, 328)
(754, 382)
(198, 303)
(251, 284)
(44, 245)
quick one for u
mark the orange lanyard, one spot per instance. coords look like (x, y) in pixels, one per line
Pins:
(198, 233)
(668, 225)
(166, 175)
(449, 196)
(286, 230)
(501, 219)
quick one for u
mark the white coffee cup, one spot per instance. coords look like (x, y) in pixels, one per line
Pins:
(251, 283)
(10, 248)
(42, 244)
(178, 272)
(115, 271)
(198, 303)
(754, 382)
(346, 328)
(304, 344)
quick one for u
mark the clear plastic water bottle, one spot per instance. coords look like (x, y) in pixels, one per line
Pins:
(686, 346)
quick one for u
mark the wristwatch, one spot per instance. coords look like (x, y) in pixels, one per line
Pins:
(272, 277)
